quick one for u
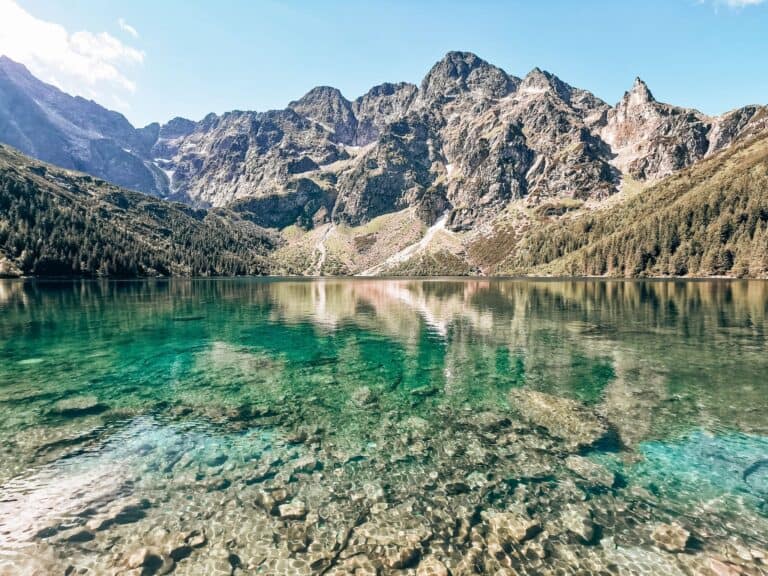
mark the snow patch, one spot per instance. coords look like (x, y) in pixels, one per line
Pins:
(169, 174)
(409, 251)
(160, 163)
(532, 90)
(322, 252)
(449, 168)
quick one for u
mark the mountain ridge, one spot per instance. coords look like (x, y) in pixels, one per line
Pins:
(471, 147)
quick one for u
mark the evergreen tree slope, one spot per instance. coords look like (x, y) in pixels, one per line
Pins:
(59, 223)
(708, 220)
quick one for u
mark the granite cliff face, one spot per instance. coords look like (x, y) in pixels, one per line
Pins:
(466, 144)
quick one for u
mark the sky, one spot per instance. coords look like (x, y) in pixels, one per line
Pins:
(153, 60)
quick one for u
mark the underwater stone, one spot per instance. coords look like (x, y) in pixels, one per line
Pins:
(431, 566)
(297, 538)
(151, 561)
(305, 465)
(217, 460)
(671, 537)
(424, 391)
(564, 418)
(81, 536)
(79, 406)
(295, 510)
(511, 527)
(590, 471)
(579, 522)
(491, 421)
(196, 538)
(297, 437)
(400, 556)
(720, 568)
(362, 397)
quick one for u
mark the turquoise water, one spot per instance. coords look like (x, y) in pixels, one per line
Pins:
(401, 414)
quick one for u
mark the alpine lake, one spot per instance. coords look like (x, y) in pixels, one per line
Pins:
(383, 426)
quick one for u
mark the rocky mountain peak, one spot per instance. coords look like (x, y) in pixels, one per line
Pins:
(321, 95)
(177, 127)
(380, 106)
(639, 95)
(327, 106)
(461, 72)
(539, 81)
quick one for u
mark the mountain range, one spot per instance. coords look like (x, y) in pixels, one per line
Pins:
(474, 171)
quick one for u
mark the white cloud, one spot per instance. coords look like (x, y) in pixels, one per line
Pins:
(733, 3)
(94, 65)
(125, 27)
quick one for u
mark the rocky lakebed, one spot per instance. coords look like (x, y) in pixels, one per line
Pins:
(383, 427)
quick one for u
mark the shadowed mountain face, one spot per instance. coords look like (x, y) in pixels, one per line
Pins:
(75, 133)
(468, 141)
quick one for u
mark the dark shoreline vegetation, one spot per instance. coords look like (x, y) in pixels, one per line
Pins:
(383, 426)
(59, 223)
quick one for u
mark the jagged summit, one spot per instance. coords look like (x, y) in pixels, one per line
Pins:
(320, 93)
(177, 127)
(459, 72)
(7, 63)
(640, 93)
(539, 81)
(329, 107)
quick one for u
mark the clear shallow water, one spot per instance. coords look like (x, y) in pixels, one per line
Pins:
(418, 424)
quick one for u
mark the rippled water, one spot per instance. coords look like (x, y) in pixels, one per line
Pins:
(383, 426)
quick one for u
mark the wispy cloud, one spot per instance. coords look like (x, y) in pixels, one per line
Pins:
(733, 3)
(125, 27)
(92, 64)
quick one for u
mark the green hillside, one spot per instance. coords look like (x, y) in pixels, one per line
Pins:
(708, 220)
(59, 223)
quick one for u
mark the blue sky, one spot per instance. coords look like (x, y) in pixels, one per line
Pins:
(156, 59)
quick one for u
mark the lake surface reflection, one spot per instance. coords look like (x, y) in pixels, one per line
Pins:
(383, 426)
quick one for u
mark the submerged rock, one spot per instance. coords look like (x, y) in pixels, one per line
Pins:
(578, 521)
(591, 471)
(363, 397)
(508, 528)
(567, 419)
(79, 406)
(400, 556)
(431, 566)
(671, 537)
(295, 510)
(151, 561)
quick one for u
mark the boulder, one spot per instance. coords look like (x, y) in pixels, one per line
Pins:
(578, 521)
(79, 406)
(590, 471)
(431, 566)
(508, 528)
(567, 419)
(150, 561)
(671, 537)
(295, 510)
